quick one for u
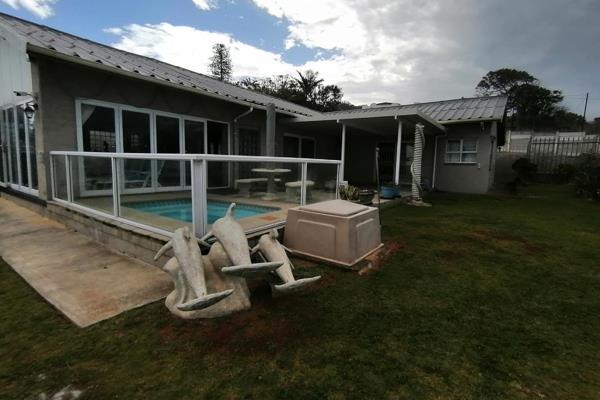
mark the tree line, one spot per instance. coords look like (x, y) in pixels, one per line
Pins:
(531, 106)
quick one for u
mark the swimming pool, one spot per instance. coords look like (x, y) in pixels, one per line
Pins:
(181, 209)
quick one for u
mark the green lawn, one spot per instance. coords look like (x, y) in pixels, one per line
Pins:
(487, 297)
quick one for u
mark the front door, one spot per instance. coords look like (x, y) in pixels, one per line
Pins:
(387, 154)
(18, 167)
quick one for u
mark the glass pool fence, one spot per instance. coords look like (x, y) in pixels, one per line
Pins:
(162, 192)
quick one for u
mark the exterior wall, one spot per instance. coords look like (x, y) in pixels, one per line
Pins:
(475, 178)
(61, 83)
(15, 69)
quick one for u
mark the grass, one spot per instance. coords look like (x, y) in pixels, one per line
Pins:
(487, 297)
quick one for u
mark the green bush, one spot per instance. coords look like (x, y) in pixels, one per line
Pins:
(565, 172)
(524, 168)
(587, 177)
(349, 192)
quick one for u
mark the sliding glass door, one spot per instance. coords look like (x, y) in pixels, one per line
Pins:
(168, 141)
(18, 167)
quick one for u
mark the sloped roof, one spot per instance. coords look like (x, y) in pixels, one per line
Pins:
(489, 108)
(54, 42)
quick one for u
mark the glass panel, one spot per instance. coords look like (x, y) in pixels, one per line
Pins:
(98, 128)
(308, 148)
(263, 192)
(167, 210)
(453, 145)
(453, 157)
(321, 182)
(60, 177)
(22, 146)
(136, 139)
(32, 156)
(194, 142)
(14, 158)
(218, 143)
(167, 141)
(92, 182)
(469, 145)
(469, 157)
(2, 144)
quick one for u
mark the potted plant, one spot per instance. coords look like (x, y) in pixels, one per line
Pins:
(349, 193)
(388, 190)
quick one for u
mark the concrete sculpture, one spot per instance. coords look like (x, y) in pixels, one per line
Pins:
(215, 285)
(271, 250)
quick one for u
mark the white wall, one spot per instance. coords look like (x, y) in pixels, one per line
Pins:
(15, 69)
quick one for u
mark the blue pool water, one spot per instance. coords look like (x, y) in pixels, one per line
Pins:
(181, 209)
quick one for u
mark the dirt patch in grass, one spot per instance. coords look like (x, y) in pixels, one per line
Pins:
(257, 331)
(375, 261)
(503, 239)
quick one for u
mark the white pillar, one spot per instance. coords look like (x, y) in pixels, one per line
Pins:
(343, 152)
(398, 154)
(415, 168)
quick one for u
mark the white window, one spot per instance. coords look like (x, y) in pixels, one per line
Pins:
(461, 151)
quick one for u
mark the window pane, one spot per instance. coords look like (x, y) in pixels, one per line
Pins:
(218, 143)
(308, 148)
(453, 145)
(14, 160)
(98, 128)
(2, 143)
(469, 157)
(453, 157)
(194, 143)
(22, 146)
(32, 157)
(136, 139)
(136, 132)
(167, 141)
(469, 145)
(194, 137)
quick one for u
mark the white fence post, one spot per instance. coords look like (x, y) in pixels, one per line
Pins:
(199, 211)
(115, 187)
(303, 183)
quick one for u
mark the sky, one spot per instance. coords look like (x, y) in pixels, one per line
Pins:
(402, 51)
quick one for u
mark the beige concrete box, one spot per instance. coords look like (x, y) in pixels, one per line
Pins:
(335, 231)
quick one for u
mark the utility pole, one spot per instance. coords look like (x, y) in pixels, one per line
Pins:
(585, 110)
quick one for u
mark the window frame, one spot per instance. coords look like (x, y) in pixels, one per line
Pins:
(461, 151)
(118, 110)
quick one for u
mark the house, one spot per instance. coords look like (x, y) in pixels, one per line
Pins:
(63, 98)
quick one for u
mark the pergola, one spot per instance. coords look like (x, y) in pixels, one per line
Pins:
(379, 121)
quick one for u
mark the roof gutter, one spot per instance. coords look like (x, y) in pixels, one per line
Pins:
(53, 54)
(462, 121)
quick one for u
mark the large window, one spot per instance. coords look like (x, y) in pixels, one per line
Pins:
(108, 127)
(461, 151)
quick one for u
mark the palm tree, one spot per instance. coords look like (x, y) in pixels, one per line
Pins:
(308, 84)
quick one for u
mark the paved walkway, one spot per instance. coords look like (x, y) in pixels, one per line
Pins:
(80, 277)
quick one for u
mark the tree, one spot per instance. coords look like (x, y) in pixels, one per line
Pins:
(220, 63)
(307, 90)
(528, 102)
(309, 84)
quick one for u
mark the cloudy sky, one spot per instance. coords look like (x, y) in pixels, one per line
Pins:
(375, 50)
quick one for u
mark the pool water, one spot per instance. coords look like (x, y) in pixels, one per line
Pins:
(181, 209)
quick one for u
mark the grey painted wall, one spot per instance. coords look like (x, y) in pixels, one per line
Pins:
(475, 178)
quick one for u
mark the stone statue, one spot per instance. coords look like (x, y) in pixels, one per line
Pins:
(270, 248)
(231, 235)
(223, 271)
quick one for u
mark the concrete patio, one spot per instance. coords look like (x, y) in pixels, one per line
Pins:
(84, 280)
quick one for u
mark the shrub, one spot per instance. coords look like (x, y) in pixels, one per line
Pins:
(587, 177)
(524, 168)
(564, 173)
(348, 192)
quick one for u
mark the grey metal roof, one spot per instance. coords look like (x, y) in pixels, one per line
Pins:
(54, 42)
(489, 108)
